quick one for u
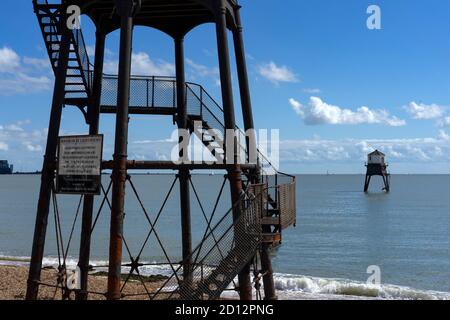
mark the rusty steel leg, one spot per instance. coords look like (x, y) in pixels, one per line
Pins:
(244, 88)
(184, 177)
(234, 175)
(88, 205)
(269, 286)
(386, 183)
(119, 174)
(48, 173)
(184, 174)
(367, 183)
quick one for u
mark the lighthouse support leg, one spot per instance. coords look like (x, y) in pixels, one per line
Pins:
(234, 173)
(386, 183)
(88, 206)
(266, 263)
(119, 174)
(184, 174)
(367, 183)
(48, 172)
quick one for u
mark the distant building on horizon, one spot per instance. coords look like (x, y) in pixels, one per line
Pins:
(377, 166)
(5, 168)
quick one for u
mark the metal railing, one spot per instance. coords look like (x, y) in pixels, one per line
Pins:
(287, 205)
(145, 92)
(83, 58)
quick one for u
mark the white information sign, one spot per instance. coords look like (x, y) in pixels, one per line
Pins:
(79, 164)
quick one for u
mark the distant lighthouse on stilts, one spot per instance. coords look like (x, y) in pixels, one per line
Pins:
(376, 166)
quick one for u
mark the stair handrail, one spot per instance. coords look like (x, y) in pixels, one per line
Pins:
(83, 59)
(260, 154)
(204, 106)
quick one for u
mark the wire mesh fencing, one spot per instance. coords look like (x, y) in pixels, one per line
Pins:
(223, 252)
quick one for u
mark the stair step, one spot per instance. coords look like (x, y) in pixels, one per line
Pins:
(48, 24)
(75, 91)
(272, 238)
(213, 144)
(270, 221)
(273, 211)
(48, 5)
(46, 15)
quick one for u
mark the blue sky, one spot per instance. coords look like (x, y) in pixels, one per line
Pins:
(333, 87)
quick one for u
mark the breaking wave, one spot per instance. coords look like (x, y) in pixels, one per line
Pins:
(288, 286)
(304, 287)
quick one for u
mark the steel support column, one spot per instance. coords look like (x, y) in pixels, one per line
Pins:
(48, 172)
(234, 174)
(184, 174)
(88, 205)
(244, 87)
(125, 9)
(266, 263)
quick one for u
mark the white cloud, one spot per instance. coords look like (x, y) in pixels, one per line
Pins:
(444, 122)
(15, 78)
(143, 65)
(17, 138)
(38, 63)
(319, 112)
(9, 60)
(277, 74)
(413, 150)
(91, 51)
(13, 127)
(201, 71)
(22, 145)
(422, 111)
(443, 135)
(312, 90)
(297, 106)
(3, 146)
(22, 83)
(33, 148)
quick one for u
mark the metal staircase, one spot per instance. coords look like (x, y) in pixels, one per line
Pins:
(78, 83)
(223, 252)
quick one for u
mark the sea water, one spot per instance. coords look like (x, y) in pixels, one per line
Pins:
(341, 233)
